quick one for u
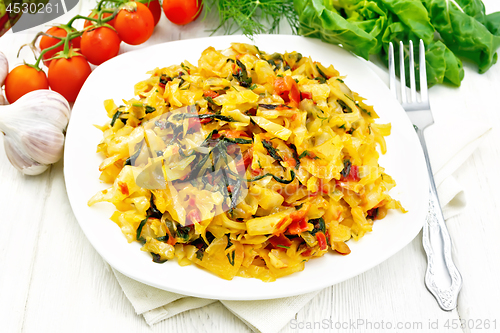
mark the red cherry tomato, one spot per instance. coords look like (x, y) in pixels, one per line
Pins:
(134, 23)
(93, 14)
(46, 42)
(182, 12)
(67, 76)
(155, 8)
(22, 80)
(100, 44)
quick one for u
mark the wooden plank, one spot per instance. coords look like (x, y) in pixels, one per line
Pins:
(53, 280)
(386, 296)
(475, 232)
(70, 280)
(22, 201)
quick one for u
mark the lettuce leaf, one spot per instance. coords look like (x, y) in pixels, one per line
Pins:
(356, 30)
(414, 16)
(453, 70)
(410, 21)
(449, 28)
(366, 28)
(463, 34)
(441, 64)
(492, 22)
(474, 8)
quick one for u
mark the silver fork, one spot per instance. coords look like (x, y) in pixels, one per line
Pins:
(442, 277)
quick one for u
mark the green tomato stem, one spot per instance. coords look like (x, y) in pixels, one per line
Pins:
(109, 18)
(66, 45)
(80, 17)
(40, 57)
(62, 41)
(100, 10)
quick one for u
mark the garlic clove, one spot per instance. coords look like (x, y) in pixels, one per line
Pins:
(45, 106)
(44, 143)
(21, 161)
(35, 169)
(4, 68)
(34, 130)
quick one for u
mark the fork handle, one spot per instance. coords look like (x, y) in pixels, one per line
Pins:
(437, 245)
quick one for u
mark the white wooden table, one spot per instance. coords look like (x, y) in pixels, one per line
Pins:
(52, 280)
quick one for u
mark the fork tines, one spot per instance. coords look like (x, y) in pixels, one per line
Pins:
(413, 86)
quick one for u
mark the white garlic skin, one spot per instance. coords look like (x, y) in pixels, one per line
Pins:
(21, 161)
(4, 68)
(44, 106)
(34, 130)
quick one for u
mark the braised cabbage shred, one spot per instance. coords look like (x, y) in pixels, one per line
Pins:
(248, 164)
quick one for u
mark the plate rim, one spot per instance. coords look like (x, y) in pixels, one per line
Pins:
(311, 287)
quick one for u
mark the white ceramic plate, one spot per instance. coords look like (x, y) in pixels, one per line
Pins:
(116, 78)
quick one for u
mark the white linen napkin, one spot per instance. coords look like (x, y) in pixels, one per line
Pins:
(457, 139)
(155, 305)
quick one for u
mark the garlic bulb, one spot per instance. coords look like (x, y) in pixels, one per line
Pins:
(34, 130)
(4, 68)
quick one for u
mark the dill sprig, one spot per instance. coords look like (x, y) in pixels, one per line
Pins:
(247, 15)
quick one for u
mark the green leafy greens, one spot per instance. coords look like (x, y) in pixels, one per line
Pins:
(464, 35)
(449, 29)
